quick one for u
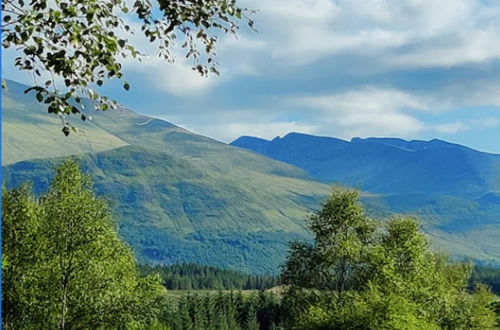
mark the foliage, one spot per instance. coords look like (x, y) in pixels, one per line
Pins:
(84, 42)
(66, 267)
(201, 277)
(496, 309)
(358, 274)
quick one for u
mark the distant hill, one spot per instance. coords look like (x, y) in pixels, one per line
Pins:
(454, 189)
(387, 165)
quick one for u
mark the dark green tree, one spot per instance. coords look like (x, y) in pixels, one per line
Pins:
(66, 267)
(84, 42)
(251, 322)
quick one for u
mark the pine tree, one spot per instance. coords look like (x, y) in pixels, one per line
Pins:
(251, 321)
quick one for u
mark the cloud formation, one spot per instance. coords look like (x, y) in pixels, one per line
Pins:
(397, 34)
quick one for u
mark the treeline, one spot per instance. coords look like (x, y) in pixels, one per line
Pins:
(202, 277)
(487, 275)
(224, 310)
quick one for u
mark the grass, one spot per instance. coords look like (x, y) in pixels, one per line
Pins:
(28, 132)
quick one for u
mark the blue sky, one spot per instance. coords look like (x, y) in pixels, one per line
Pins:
(415, 69)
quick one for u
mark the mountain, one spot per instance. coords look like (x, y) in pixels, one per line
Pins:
(455, 190)
(179, 196)
(387, 165)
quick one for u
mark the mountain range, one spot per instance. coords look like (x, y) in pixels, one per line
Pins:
(183, 197)
(387, 165)
(455, 190)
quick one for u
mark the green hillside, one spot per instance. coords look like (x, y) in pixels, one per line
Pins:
(171, 211)
(182, 197)
(459, 227)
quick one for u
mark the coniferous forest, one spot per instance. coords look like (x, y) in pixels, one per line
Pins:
(199, 277)
(65, 266)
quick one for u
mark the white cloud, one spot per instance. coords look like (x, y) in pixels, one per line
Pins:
(374, 111)
(488, 122)
(228, 132)
(176, 78)
(366, 100)
(367, 112)
(460, 126)
(451, 128)
(394, 34)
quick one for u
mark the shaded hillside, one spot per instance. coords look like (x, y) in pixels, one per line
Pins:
(387, 165)
(452, 188)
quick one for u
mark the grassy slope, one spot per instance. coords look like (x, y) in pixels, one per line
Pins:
(172, 211)
(457, 226)
(28, 132)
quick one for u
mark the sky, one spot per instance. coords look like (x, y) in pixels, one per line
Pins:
(413, 69)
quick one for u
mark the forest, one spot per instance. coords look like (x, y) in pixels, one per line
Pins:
(199, 277)
(65, 266)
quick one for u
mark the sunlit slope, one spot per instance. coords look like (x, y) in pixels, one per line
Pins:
(202, 151)
(172, 211)
(180, 197)
(29, 132)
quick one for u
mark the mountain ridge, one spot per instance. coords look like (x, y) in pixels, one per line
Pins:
(386, 165)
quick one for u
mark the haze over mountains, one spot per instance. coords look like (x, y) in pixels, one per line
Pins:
(182, 197)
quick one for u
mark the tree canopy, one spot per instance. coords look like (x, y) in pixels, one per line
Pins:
(64, 265)
(363, 274)
(84, 42)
